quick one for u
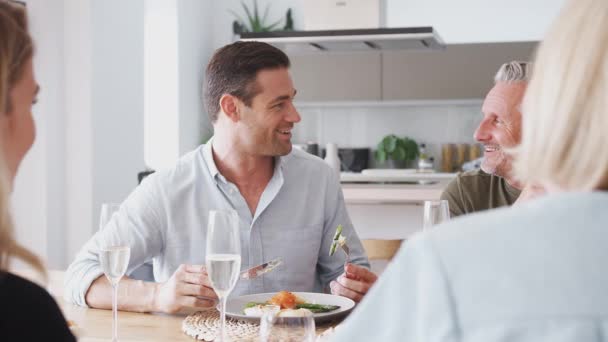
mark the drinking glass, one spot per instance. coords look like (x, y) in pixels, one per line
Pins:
(435, 212)
(223, 256)
(274, 328)
(114, 254)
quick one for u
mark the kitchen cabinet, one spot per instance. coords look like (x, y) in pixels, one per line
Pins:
(460, 71)
(337, 76)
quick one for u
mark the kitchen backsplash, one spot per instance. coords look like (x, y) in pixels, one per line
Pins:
(365, 125)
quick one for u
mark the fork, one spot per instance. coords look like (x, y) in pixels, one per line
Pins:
(346, 251)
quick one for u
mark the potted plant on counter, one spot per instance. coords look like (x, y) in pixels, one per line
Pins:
(395, 152)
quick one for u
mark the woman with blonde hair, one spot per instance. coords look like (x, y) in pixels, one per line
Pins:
(533, 272)
(27, 311)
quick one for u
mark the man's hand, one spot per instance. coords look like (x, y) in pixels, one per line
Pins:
(189, 286)
(353, 283)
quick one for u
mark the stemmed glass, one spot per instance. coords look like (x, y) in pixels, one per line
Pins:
(114, 254)
(274, 328)
(435, 212)
(223, 256)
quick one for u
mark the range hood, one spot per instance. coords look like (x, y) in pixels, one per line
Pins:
(418, 38)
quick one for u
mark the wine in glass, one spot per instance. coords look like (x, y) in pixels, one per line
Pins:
(435, 212)
(223, 256)
(114, 254)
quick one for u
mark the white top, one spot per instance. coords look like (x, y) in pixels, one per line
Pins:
(533, 272)
(165, 220)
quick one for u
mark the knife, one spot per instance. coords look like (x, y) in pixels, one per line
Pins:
(258, 270)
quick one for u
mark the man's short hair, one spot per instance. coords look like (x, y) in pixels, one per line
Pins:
(233, 70)
(514, 71)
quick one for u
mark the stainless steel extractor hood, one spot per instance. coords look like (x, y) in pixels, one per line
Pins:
(419, 38)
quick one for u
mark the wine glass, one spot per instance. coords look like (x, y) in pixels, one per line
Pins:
(275, 328)
(114, 254)
(223, 256)
(435, 212)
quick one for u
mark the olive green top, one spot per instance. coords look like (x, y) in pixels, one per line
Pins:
(476, 190)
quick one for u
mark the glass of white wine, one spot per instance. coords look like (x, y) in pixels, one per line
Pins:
(114, 254)
(435, 212)
(223, 256)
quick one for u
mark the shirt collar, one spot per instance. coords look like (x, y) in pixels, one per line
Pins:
(208, 157)
(279, 162)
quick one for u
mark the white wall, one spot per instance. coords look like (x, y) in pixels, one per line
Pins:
(89, 144)
(195, 49)
(467, 21)
(117, 32)
(38, 212)
(78, 126)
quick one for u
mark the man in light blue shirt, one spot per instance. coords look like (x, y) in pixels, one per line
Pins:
(289, 203)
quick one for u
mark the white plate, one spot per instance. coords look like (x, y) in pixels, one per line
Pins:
(234, 306)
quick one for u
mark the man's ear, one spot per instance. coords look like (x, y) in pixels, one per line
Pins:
(230, 106)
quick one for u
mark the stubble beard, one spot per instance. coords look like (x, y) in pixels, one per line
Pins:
(500, 166)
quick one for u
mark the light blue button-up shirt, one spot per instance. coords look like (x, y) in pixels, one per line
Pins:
(533, 272)
(164, 220)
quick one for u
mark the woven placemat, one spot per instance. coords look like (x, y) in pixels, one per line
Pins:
(205, 326)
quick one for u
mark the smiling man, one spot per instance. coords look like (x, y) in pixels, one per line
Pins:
(289, 203)
(500, 129)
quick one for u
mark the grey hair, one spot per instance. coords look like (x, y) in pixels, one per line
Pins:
(514, 71)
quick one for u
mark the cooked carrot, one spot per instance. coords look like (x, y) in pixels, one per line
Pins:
(284, 299)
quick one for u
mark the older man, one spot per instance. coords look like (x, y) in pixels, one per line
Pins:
(289, 203)
(500, 129)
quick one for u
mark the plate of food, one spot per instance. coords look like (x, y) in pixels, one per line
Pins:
(324, 307)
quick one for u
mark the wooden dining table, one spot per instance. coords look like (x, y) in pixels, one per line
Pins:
(96, 325)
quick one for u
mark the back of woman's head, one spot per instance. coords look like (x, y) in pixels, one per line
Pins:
(16, 49)
(565, 121)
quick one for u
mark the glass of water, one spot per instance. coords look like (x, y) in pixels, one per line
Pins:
(435, 212)
(275, 328)
(114, 254)
(223, 256)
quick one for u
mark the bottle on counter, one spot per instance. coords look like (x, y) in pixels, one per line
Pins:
(425, 164)
(331, 156)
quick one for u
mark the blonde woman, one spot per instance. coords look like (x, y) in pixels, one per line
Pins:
(534, 272)
(27, 312)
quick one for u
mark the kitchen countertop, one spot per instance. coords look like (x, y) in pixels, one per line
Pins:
(359, 188)
(393, 193)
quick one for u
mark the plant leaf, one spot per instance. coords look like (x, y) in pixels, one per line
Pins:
(411, 148)
(266, 13)
(249, 16)
(398, 154)
(380, 156)
(273, 25)
(390, 143)
(255, 11)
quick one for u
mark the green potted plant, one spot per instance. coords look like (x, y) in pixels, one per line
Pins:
(257, 23)
(395, 152)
